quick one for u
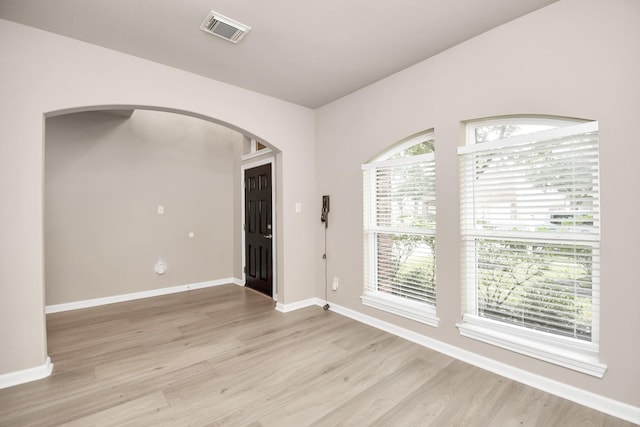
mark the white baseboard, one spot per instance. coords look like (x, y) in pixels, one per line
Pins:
(26, 375)
(56, 308)
(595, 401)
(285, 308)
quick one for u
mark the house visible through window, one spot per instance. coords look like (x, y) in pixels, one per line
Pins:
(530, 223)
(399, 230)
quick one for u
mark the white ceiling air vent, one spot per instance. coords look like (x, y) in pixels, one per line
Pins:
(221, 26)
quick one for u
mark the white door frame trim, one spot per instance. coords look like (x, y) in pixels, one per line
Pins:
(243, 167)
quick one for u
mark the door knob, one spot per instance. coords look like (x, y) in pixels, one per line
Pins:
(268, 236)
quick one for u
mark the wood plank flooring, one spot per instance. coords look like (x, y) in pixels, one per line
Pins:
(224, 357)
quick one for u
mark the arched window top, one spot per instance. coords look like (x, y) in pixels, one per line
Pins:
(530, 233)
(495, 128)
(399, 218)
(415, 145)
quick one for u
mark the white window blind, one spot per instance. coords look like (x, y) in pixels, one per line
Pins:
(400, 224)
(530, 222)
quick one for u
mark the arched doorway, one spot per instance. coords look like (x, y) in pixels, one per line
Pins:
(138, 189)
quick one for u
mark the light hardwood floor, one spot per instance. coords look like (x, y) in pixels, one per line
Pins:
(223, 356)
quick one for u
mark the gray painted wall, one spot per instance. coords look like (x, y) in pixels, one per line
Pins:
(106, 175)
(573, 58)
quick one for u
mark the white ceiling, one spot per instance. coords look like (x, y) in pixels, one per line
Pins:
(309, 52)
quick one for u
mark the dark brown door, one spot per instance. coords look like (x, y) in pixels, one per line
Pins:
(258, 229)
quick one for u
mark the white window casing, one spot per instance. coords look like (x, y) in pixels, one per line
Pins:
(530, 226)
(399, 233)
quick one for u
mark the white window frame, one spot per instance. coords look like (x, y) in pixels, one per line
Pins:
(579, 355)
(419, 311)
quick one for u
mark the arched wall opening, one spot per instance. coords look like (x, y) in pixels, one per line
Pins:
(109, 172)
(128, 109)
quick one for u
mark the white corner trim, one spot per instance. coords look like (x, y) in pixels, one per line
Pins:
(238, 281)
(286, 308)
(26, 375)
(595, 401)
(56, 308)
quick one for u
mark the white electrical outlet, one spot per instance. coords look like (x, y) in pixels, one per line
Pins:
(335, 283)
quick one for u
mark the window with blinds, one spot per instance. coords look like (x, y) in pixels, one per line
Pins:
(399, 230)
(530, 225)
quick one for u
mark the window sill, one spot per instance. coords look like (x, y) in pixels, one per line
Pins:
(420, 312)
(582, 357)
